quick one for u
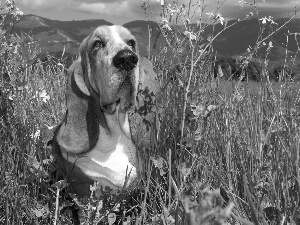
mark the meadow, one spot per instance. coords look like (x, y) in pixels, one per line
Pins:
(225, 152)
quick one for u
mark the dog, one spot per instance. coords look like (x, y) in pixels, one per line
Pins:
(94, 141)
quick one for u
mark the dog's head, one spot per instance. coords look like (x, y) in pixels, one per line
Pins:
(109, 60)
(102, 86)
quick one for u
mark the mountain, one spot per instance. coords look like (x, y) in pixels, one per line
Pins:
(54, 35)
(236, 39)
(140, 29)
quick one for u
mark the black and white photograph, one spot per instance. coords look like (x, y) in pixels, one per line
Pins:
(150, 112)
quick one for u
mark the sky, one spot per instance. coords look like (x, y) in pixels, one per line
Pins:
(120, 12)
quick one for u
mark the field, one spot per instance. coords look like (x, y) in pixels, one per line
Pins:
(225, 152)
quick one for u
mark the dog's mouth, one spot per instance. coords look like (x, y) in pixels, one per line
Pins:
(111, 108)
(123, 97)
(121, 104)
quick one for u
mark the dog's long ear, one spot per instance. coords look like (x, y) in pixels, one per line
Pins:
(79, 130)
(79, 79)
(82, 73)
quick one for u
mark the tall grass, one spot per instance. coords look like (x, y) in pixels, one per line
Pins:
(214, 158)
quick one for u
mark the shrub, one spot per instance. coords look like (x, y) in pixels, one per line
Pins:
(281, 73)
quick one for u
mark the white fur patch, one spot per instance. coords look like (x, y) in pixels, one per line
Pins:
(115, 34)
(114, 165)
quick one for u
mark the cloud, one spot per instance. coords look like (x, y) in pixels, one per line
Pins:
(122, 11)
(279, 3)
(232, 9)
(104, 8)
(115, 11)
(97, 1)
(45, 5)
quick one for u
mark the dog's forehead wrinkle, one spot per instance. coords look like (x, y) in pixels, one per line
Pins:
(101, 33)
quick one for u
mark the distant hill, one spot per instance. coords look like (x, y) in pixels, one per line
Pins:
(139, 29)
(54, 35)
(236, 39)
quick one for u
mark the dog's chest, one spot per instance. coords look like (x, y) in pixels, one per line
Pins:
(116, 166)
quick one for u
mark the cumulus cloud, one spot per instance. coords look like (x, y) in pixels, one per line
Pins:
(114, 11)
(97, 1)
(104, 8)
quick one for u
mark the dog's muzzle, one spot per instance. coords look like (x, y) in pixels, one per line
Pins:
(125, 60)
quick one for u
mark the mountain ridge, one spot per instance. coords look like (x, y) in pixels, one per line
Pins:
(55, 35)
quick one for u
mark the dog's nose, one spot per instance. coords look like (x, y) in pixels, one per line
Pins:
(125, 59)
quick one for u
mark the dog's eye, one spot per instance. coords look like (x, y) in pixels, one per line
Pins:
(131, 43)
(98, 44)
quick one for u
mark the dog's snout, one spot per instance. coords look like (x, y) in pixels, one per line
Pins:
(125, 59)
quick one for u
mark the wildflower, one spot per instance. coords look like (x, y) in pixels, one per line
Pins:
(50, 127)
(17, 12)
(10, 4)
(159, 163)
(242, 2)
(220, 18)
(36, 134)
(116, 208)
(162, 2)
(171, 10)
(217, 17)
(165, 50)
(250, 14)
(198, 109)
(11, 95)
(190, 35)
(166, 24)
(265, 20)
(61, 65)
(220, 71)
(270, 44)
(44, 96)
(179, 80)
